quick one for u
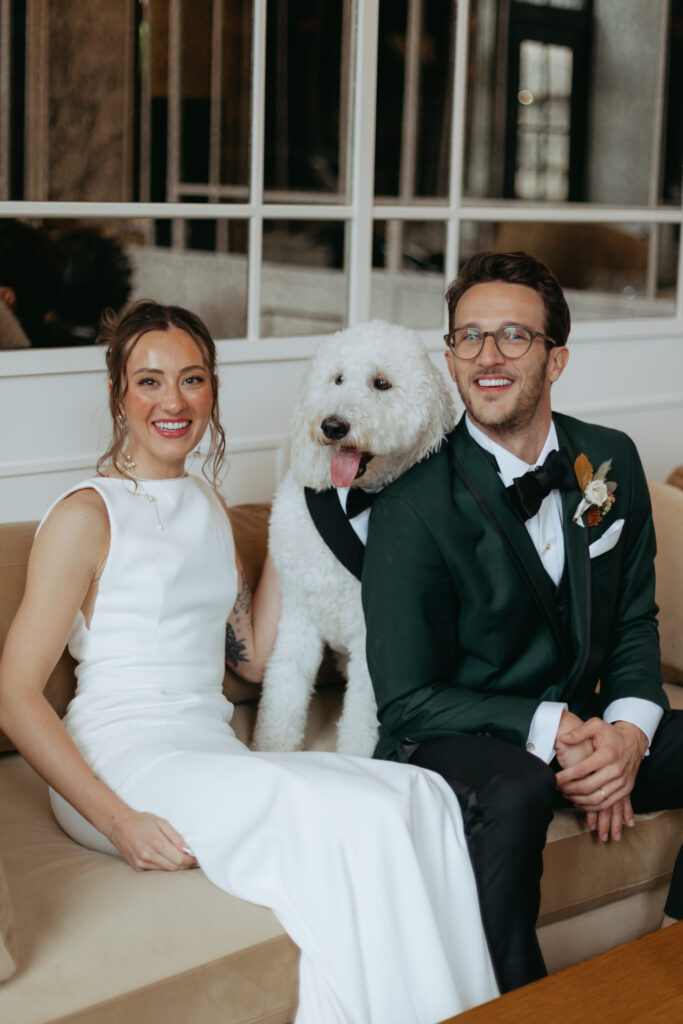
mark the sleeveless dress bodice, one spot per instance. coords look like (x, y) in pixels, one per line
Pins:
(151, 659)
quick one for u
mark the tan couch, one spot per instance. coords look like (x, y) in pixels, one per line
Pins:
(98, 943)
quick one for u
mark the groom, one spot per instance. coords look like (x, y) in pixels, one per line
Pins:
(496, 598)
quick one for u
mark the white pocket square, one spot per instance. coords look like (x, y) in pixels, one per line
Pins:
(607, 541)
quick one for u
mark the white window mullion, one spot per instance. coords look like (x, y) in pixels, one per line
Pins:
(258, 106)
(457, 141)
(363, 158)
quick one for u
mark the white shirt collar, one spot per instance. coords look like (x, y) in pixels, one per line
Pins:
(509, 466)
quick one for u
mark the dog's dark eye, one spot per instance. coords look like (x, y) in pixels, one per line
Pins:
(381, 384)
(339, 379)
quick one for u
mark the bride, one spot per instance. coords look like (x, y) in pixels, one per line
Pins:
(363, 862)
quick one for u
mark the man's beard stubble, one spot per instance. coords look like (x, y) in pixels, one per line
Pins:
(525, 410)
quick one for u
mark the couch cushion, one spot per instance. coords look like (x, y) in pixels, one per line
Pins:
(89, 929)
(7, 947)
(580, 872)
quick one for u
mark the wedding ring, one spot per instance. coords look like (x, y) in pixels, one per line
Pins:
(604, 795)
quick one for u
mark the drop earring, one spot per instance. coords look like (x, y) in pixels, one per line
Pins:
(128, 462)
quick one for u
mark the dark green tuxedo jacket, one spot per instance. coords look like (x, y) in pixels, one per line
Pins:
(466, 632)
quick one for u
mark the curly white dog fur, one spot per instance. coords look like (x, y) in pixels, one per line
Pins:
(371, 405)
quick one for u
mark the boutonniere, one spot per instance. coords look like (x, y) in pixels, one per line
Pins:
(598, 493)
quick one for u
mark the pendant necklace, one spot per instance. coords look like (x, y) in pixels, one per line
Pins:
(127, 469)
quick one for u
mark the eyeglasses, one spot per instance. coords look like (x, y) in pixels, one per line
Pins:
(511, 340)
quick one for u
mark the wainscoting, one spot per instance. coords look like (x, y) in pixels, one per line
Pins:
(53, 416)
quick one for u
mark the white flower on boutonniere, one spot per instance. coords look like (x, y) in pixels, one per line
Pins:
(598, 493)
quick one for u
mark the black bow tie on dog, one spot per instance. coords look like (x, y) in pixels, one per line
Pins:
(528, 491)
(357, 500)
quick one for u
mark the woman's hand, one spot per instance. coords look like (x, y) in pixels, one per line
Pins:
(149, 843)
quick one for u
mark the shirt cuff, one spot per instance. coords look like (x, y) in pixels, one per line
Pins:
(643, 713)
(543, 729)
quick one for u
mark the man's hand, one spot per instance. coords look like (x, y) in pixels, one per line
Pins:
(570, 754)
(610, 822)
(602, 780)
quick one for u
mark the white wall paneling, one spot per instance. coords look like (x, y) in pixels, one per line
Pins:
(54, 419)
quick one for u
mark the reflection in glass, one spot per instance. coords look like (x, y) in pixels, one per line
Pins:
(608, 270)
(307, 76)
(414, 95)
(543, 122)
(211, 284)
(111, 260)
(199, 91)
(407, 285)
(304, 282)
(575, 101)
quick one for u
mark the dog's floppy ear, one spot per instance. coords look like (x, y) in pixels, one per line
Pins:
(440, 407)
(309, 462)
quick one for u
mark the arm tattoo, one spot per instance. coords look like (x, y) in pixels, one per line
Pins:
(235, 650)
(243, 602)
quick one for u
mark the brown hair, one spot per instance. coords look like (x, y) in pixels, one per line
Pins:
(121, 334)
(515, 268)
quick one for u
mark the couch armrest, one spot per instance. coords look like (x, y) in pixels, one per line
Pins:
(667, 511)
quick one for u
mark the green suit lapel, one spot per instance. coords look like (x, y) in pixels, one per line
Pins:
(578, 567)
(472, 466)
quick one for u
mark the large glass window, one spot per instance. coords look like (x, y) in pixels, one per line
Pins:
(289, 166)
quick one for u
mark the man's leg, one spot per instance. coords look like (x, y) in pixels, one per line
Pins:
(659, 786)
(507, 798)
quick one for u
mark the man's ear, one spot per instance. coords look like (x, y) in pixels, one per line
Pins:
(8, 296)
(558, 359)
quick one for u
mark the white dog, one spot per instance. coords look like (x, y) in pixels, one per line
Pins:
(371, 405)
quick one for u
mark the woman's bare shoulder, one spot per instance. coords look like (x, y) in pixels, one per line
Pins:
(79, 521)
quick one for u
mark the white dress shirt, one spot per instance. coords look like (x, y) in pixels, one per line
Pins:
(359, 522)
(545, 530)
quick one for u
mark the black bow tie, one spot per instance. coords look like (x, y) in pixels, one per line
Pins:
(528, 491)
(357, 500)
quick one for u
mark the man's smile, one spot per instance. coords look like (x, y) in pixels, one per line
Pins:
(489, 383)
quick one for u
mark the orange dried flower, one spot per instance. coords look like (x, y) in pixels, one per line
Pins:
(593, 516)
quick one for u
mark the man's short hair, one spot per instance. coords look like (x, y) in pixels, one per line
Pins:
(515, 268)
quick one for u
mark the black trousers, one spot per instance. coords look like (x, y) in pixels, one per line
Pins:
(508, 797)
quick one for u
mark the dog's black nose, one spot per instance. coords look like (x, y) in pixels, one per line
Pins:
(334, 427)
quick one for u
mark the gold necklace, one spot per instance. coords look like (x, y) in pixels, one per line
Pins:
(140, 488)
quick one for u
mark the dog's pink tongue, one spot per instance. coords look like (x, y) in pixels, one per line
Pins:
(344, 467)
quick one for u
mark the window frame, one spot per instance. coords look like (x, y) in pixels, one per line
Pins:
(361, 211)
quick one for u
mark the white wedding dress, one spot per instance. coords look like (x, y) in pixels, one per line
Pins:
(363, 862)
